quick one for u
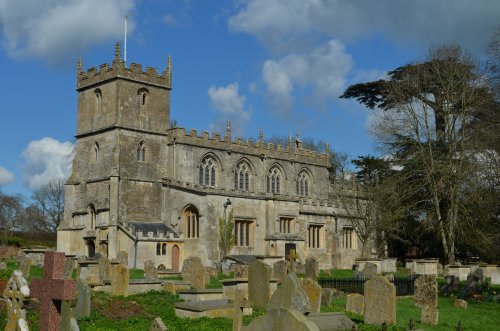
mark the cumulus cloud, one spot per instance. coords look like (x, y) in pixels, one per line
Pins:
(6, 176)
(317, 75)
(230, 105)
(289, 23)
(56, 30)
(47, 159)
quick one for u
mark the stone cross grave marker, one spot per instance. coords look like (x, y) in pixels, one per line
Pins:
(426, 298)
(51, 290)
(239, 297)
(259, 287)
(312, 268)
(14, 294)
(194, 272)
(380, 301)
(313, 292)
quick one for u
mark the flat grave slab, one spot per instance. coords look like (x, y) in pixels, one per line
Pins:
(331, 321)
(201, 295)
(208, 308)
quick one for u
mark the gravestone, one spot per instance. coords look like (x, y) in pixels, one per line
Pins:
(450, 286)
(259, 288)
(280, 270)
(370, 270)
(69, 265)
(426, 297)
(380, 301)
(83, 300)
(279, 319)
(150, 271)
(290, 295)
(194, 272)
(355, 303)
(495, 277)
(312, 268)
(479, 273)
(313, 292)
(460, 303)
(104, 268)
(326, 296)
(440, 269)
(3, 265)
(119, 279)
(25, 266)
(52, 290)
(158, 325)
(68, 320)
(238, 302)
(122, 257)
(14, 294)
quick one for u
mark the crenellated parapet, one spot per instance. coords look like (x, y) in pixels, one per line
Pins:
(119, 69)
(292, 152)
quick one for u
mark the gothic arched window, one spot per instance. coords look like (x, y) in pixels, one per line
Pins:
(191, 222)
(242, 177)
(141, 151)
(274, 181)
(303, 184)
(92, 217)
(208, 170)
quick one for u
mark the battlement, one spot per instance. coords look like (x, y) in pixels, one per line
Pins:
(119, 69)
(293, 151)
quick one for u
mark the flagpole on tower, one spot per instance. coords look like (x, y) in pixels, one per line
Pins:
(125, 42)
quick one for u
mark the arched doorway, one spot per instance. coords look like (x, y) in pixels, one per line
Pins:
(90, 248)
(175, 258)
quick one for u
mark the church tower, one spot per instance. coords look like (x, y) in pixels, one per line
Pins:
(120, 154)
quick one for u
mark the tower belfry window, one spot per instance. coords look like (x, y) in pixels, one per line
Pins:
(141, 152)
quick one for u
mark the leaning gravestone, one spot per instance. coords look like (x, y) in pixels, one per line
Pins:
(14, 295)
(68, 320)
(355, 303)
(194, 272)
(158, 325)
(119, 279)
(426, 298)
(380, 301)
(150, 271)
(370, 270)
(259, 287)
(122, 256)
(312, 268)
(83, 300)
(313, 292)
(52, 290)
(290, 295)
(25, 266)
(280, 270)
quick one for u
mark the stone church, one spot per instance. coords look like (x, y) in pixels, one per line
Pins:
(158, 192)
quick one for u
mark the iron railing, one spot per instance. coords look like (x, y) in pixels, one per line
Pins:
(403, 286)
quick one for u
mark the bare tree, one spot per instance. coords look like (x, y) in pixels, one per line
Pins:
(47, 210)
(11, 210)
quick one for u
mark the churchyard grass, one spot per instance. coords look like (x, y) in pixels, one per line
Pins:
(484, 316)
(35, 272)
(216, 282)
(136, 274)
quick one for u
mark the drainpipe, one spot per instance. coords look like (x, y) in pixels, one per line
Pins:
(135, 248)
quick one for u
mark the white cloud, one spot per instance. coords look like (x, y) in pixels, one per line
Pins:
(281, 24)
(47, 159)
(6, 176)
(320, 75)
(56, 30)
(230, 105)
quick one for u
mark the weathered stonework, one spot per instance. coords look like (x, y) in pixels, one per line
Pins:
(136, 187)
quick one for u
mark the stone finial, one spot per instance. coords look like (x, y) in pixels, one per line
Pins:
(169, 65)
(297, 136)
(227, 136)
(118, 51)
(79, 65)
(327, 150)
(261, 136)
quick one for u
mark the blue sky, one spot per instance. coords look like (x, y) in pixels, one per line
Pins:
(275, 64)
